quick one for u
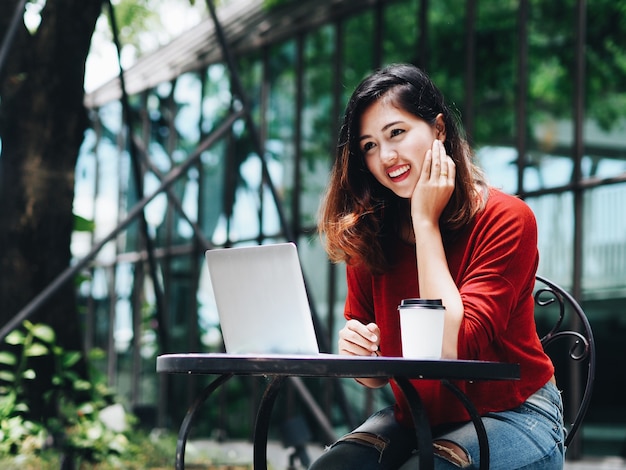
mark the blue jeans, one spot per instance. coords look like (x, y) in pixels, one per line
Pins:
(527, 437)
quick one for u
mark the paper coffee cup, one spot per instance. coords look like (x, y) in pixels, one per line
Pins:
(421, 328)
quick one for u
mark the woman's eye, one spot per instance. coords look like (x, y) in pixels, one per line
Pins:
(395, 132)
(368, 146)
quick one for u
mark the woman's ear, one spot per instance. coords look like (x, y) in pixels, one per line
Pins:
(440, 127)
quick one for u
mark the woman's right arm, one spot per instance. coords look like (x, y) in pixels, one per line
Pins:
(357, 339)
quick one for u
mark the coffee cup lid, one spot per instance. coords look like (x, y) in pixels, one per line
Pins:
(421, 303)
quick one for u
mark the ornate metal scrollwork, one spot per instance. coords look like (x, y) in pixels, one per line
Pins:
(548, 295)
(578, 329)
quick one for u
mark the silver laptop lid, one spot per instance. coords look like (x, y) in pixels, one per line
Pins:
(261, 300)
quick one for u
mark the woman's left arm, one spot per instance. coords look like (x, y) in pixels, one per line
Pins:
(436, 282)
(432, 193)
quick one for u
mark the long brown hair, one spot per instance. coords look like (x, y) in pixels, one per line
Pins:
(359, 216)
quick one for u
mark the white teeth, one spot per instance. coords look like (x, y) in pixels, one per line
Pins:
(399, 171)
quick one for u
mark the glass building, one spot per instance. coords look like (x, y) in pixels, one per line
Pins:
(231, 154)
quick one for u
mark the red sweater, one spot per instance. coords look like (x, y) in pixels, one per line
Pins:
(493, 262)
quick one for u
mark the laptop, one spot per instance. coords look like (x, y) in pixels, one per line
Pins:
(261, 300)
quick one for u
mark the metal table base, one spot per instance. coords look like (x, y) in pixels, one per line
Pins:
(279, 367)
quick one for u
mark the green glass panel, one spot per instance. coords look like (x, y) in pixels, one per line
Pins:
(495, 71)
(551, 60)
(555, 224)
(604, 242)
(358, 52)
(281, 119)
(216, 104)
(318, 122)
(400, 32)
(446, 50)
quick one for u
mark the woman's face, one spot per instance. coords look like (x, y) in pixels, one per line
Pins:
(394, 144)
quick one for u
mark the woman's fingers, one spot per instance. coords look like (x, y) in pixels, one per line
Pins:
(427, 165)
(358, 339)
(441, 161)
(447, 168)
(435, 172)
(440, 165)
(436, 184)
(437, 164)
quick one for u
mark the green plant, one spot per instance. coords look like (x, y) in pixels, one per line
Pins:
(17, 433)
(77, 428)
(146, 451)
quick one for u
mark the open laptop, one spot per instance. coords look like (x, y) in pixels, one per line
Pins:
(261, 300)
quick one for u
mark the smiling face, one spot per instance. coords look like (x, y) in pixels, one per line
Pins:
(394, 144)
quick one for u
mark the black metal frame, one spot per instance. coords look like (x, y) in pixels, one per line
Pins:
(277, 369)
(583, 349)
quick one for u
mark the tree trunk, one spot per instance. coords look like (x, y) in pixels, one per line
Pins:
(42, 121)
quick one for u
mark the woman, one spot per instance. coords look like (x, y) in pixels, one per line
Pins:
(412, 216)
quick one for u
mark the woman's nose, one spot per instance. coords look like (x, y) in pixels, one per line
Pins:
(388, 153)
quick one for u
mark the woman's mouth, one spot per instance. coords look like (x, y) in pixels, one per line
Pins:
(398, 171)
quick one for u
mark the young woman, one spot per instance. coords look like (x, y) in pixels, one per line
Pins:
(412, 216)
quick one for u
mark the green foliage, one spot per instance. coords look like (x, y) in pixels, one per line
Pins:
(77, 428)
(133, 17)
(270, 4)
(83, 225)
(139, 22)
(144, 451)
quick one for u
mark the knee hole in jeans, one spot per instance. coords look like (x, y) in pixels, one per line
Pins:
(367, 439)
(451, 452)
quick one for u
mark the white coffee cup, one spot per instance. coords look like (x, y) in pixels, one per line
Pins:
(421, 328)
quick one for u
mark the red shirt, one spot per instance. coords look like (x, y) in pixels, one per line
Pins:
(493, 263)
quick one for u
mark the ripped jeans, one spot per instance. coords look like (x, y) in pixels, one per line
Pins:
(527, 437)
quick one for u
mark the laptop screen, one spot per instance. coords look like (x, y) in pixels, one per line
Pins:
(261, 300)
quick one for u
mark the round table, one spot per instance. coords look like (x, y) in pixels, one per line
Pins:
(280, 366)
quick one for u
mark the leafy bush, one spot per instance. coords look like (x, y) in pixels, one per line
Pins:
(77, 428)
(144, 451)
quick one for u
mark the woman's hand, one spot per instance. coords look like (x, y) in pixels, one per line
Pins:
(435, 185)
(357, 339)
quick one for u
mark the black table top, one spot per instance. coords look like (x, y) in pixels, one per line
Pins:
(334, 365)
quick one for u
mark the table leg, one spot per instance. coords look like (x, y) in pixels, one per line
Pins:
(422, 426)
(183, 432)
(483, 441)
(262, 424)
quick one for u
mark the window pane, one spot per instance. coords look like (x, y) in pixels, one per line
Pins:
(245, 208)
(493, 113)
(400, 32)
(605, 130)
(495, 72)
(604, 239)
(281, 117)
(446, 50)
(550, 107)
(216, 103)
(358, 53)
(500, 166)
(555, 220)
(318, 122)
